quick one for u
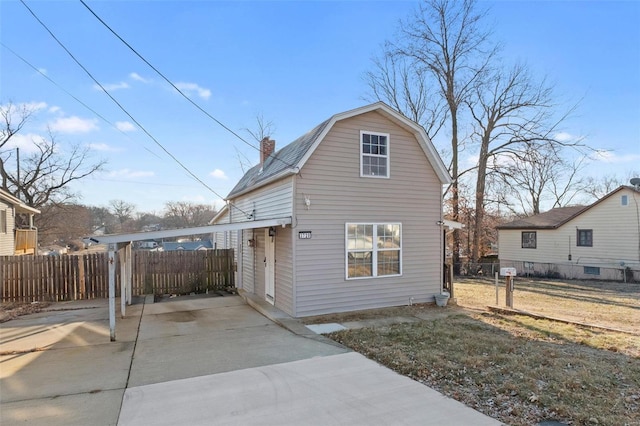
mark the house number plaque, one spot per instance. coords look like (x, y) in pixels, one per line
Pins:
(304, 235)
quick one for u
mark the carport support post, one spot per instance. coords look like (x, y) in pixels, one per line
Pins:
(112, 291)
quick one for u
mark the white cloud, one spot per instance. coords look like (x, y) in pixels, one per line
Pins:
(54, 109)
(613, 158)
(74, 124)
(125, 126)
(191, 88)
(102, 147)
(567, 137)
(24, 141)
(113, 86)
(42, 71)
(126, 173)
(219, 174)
(137, 77)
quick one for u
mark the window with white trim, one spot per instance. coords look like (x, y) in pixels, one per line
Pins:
(373, 250)
(374, 154)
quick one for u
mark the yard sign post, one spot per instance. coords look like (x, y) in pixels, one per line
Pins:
(509, 273)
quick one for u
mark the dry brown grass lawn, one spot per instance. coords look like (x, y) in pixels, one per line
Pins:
(608, 304)
(517, 369)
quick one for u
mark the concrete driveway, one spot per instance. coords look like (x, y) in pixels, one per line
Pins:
(200, 361)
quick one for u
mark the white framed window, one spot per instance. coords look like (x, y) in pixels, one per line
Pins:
(374, 154)
(373, 250)
(624, 200)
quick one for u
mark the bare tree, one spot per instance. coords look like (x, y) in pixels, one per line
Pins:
(263, 128)
(46, 174)
(539, 175)
(122, 210)
(182, 214)
(406, 86)
(597, 188)
(513, 116)
(445, 38)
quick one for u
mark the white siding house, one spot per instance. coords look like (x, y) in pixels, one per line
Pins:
(363, 193)
(16, 239)
(598, 241)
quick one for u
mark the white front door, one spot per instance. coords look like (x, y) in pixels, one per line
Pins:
(269, 266)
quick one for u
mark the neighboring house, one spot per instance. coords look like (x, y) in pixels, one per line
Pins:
(362, 193)
(598, 241)
(187, 245)
(16, 238)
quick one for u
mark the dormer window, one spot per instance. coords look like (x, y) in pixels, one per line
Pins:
(374, 154)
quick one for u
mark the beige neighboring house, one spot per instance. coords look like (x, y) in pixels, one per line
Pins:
(598, 241)
(360, 202)
(16, 240)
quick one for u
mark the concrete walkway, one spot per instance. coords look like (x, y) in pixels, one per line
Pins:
(200, 360)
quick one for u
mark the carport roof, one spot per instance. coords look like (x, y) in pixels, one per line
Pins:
(170, 233)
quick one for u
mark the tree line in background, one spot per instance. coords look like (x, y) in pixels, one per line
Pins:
(70, 222)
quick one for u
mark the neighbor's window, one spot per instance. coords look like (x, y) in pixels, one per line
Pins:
(585, 238)
(529, 239)
(592, 270)
(373, 249)
(624, 200)
(374, 154)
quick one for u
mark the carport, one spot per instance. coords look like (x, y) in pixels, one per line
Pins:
(120, 244)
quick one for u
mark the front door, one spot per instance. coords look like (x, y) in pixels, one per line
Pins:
(269, 266)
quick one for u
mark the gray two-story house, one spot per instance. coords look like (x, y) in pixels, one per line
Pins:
(358, 203)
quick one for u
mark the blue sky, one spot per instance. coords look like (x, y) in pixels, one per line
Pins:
(296, 63)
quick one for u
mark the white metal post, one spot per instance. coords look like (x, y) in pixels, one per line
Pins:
(496, 289)
(129, 272)
(112, 291)
(122, 255)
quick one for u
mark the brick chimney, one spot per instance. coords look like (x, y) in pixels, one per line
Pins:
(267, 146)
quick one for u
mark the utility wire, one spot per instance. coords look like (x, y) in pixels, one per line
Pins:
(185, 168)
(174, 86)
(70, 94)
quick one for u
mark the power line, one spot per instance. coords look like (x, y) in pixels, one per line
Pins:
(185, 168)
(174, 86)
(70, 94)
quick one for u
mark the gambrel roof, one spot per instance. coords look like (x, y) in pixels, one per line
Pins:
(290, 159)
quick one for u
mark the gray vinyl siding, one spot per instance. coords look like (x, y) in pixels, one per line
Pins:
(7, 244)
(269, 202)
(284, 270)
(248, 262)
(411, 196)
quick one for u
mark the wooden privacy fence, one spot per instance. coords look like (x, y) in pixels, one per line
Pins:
(86, 276)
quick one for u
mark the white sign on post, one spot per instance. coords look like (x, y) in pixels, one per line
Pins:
(508, 272)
